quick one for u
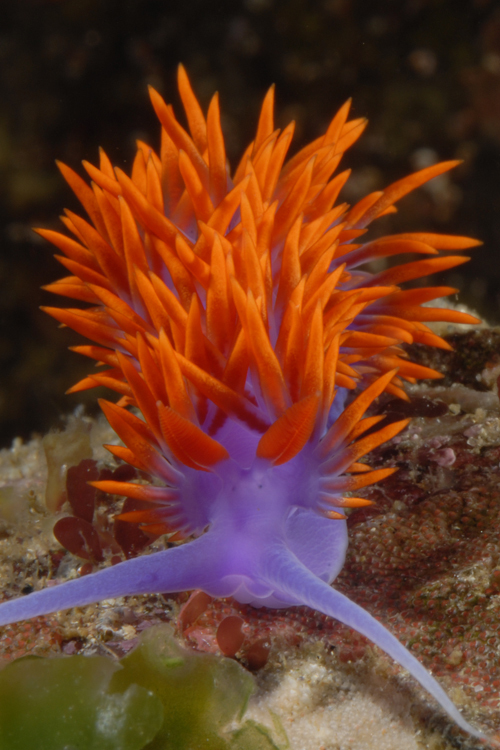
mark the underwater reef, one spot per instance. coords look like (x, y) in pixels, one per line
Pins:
(425, 560)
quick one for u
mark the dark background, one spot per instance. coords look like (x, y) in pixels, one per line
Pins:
(73, 76)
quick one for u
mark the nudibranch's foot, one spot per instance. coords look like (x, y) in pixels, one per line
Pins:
(286, 574)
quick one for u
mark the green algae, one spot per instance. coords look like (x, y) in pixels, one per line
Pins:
(255, 736)
(201, 694)
(158, 697)
(66, 703)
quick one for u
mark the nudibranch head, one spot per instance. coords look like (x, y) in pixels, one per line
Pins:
(235, 313)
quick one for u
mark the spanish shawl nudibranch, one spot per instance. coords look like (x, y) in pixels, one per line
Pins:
(233, 314)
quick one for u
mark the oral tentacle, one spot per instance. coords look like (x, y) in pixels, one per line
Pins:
(288, 576)
(183, 568)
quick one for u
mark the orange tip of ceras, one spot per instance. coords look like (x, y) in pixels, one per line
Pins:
(289, 433)
(354, 502)
(188, 443)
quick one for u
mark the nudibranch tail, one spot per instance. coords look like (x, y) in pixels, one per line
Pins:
(233, 314)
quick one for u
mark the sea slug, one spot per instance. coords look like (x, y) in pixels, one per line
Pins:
(234, 314)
